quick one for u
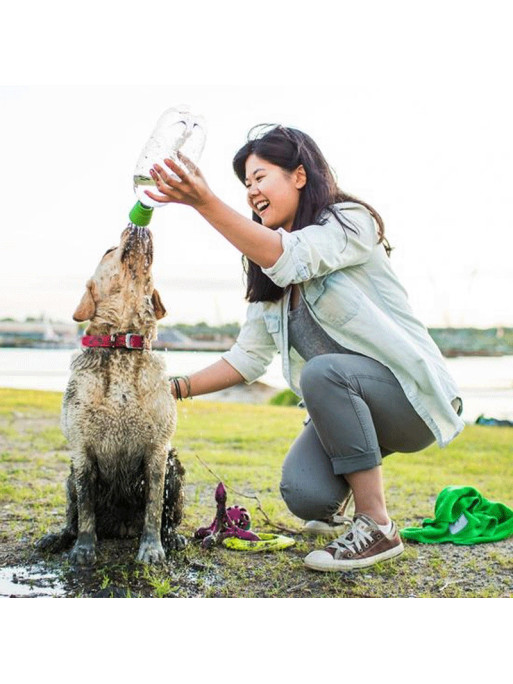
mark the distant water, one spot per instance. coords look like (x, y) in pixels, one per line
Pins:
(486, 383)
(48, 369)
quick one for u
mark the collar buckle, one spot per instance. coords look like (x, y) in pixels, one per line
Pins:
(128, 341)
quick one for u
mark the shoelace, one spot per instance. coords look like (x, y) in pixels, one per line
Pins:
(355, 539)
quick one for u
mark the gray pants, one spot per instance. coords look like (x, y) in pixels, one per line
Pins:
(358, 414)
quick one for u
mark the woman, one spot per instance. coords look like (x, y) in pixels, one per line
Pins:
(322, 292)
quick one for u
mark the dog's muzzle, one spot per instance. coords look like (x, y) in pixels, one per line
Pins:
(137, 246)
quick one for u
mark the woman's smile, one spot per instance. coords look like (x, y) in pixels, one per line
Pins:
(273, 192)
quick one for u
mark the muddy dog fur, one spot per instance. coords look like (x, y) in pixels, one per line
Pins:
(118, 415)
(120, 510)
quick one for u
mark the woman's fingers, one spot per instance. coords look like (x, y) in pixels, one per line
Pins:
(161, 175)
(158, 198)
(182, 175)
(189, 165)
(183, 187)
(163, 185)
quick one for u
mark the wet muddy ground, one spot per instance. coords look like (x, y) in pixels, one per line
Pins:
(422, 571)
(27, 574)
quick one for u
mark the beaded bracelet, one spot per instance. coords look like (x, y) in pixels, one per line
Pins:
(178, 390)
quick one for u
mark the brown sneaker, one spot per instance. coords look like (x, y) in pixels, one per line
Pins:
(364, 544)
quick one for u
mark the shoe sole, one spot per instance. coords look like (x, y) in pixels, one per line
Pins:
(342, 566)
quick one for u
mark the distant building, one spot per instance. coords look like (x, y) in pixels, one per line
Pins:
(38, 333)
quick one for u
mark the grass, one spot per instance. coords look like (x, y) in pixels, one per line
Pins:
(244, 445)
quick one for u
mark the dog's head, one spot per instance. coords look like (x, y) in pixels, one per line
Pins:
(120, 296)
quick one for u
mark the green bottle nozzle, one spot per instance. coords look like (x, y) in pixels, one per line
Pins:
(140, 215)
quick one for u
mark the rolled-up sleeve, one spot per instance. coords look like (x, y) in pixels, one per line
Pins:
(254, 349)
(317, 250)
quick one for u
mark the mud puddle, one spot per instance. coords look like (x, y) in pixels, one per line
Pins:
(30, 581)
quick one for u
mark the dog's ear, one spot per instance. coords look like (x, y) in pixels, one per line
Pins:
(87, 306)
(158, 306)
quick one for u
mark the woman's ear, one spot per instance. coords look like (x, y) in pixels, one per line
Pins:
(87, 307)
(300, 177)
(158, 306)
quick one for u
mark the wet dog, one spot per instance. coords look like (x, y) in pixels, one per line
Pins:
(119, 415)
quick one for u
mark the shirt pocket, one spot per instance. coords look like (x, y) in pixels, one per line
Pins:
(333, 298)
(273, 324)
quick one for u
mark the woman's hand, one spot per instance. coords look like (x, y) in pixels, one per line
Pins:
(260, 244)
(190, 188)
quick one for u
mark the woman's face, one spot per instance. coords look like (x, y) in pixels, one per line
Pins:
(273, 192)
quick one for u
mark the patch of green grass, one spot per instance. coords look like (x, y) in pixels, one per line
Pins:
(33, 401)
(244, 446)
(162, 586)
(285, 398)
(8, 432)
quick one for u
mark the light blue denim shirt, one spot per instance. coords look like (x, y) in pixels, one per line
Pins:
(350, 289)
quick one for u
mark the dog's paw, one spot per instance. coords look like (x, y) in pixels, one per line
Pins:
(83, 554)
(151, 552)
(53, 543)
(176, 542)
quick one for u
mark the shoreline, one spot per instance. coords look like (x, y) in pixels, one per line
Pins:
(486, 384)
(449, 353)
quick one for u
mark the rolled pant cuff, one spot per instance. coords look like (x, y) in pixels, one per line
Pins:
(352, 464)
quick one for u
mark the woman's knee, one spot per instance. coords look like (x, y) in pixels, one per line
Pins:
(309, 487)
(308, 505)
(315, 375)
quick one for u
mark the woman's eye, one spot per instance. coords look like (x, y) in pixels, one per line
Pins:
(248, 186)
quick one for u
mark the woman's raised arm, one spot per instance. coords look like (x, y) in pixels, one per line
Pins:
(258, 243)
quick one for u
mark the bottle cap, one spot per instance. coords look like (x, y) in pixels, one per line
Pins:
(140, 215)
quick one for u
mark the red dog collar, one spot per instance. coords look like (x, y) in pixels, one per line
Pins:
(119, 340)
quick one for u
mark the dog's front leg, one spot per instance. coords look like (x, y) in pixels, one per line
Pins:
(84, 551)
(151, 549)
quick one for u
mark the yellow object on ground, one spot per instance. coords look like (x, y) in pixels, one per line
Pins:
(268, 542)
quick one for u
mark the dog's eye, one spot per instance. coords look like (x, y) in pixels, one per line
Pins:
(109, 250)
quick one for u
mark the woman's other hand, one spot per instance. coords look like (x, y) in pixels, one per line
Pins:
(189, 188)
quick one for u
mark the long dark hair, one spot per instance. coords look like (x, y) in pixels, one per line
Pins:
(288, 148)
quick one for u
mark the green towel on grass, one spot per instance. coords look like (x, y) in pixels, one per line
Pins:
(463, 516)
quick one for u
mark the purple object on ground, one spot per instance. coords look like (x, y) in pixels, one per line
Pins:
(233, 521)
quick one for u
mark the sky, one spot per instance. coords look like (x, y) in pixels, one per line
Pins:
(414, 117)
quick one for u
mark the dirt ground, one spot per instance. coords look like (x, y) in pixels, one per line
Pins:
(423, 571)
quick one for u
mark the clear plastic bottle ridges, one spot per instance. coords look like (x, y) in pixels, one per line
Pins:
(177, 129)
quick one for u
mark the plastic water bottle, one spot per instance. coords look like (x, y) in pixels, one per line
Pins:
(176, 130)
